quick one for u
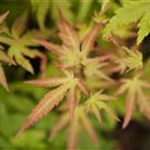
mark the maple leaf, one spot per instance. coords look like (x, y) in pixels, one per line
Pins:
(97, 102)
(75, 128)
(74, 52)
(131, 12)
(135, 88)
(65, 86)
(128, 59)
(94, 104)
(19, 42)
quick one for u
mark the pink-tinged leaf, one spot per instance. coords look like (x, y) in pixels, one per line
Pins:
(46, 82)
(89, 128)
(64, 120)
(89, 39)
(71, 99)
(3, 80)
(67, 34)
(73, 135)
(2, 17)
(122, 89)
(130, 105)
(48, 102)
(82, 87)
(53, 48)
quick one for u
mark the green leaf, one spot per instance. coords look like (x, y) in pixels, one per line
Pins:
(144, 27)
(131, 12)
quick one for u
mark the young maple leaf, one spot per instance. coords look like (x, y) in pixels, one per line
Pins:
(135, 88)
(128, 60)
(80, 123)
(19, 42)
(64, 87)
(97, 102)
(94, 105)
(74, 52)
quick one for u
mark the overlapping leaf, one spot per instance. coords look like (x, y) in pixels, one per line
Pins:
(128, 59)
(97, 102)
(136, 95)
(74, 52)
(66, 86)
(19, 41)
(80, 123)
(131, 12)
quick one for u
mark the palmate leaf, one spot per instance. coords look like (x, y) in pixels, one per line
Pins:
(66, 87)
(75, 128)
(94, 104)
(74, 52)
(97, 102)
(19, 42)
(71, 41)
(81, 122)
(136, 95)
(128, 59)
(131, 12)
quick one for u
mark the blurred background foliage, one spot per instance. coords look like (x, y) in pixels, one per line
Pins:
(16, 105)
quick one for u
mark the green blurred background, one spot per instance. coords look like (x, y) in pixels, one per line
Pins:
(16, 105)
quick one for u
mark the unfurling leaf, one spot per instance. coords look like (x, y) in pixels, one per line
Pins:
(97, 102)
